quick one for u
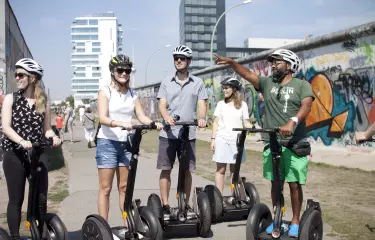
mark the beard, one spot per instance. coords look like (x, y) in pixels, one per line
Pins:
(279, 73)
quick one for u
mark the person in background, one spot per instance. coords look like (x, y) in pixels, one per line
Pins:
(59, 121)
(69, 119)
(232, 112)
(88, 122)
(81, 113)
(363, 136)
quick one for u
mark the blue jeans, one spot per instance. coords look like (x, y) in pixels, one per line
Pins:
(112, 154)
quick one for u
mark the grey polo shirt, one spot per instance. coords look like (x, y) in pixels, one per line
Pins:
(182, 100)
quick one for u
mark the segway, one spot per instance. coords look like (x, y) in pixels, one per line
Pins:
(4, 235)
(244, 195)
(56, 228)
(200, 221)
(260, 217)
(142, 224)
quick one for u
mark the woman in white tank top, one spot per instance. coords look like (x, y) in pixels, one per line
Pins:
(116, 105)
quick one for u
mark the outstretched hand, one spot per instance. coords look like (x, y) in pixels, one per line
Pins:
(220, 60)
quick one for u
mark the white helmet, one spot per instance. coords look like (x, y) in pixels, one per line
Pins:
(30, 65)
(287, 56)
(183, 50)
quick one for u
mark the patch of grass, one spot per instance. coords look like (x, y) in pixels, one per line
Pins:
(59, 191)
(346, 195)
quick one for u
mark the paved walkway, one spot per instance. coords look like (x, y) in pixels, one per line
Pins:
(83, 188)
(354, 157)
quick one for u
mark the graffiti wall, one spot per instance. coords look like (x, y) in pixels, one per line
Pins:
(341, 70)
(149, 101)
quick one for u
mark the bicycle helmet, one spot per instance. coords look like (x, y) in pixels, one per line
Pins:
(287, 56)
(183, 50)
(30, 65)
(231, 81)
(120, 60)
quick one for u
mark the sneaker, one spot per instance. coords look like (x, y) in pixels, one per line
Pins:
(122, 232)
(189, 211)
(89, 144)
(167, 211)
(269, 229)
(293, 230)
(230, 200)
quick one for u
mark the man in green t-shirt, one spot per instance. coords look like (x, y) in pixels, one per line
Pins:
(287, 102)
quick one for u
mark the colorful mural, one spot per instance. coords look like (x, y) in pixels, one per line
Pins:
(342, 77)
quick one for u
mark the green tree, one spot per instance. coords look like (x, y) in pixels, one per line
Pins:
(85, 101)
(70, 99)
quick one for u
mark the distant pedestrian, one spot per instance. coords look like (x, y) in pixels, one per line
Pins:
(59, 121)
(88, 121)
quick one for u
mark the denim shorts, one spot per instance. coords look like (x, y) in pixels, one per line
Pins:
(112, 154)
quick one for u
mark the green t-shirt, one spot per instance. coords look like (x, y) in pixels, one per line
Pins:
(283, 102)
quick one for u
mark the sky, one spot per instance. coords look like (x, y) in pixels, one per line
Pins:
(149, 25)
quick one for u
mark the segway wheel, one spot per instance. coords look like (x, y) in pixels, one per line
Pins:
(252, 193)
(151, 224)
(4, 235)
(259, 219)
(216, 201)
(312, 228)
(204, 214)
(154, 203)
(56, 228)
(96, 228)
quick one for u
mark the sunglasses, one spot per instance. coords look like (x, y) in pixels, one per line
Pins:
(122, 70)
(183, 59)
(20, 75)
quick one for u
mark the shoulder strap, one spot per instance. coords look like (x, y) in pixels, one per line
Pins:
(110, 93)
(92, 120)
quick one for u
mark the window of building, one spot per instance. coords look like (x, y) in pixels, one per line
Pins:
(95, 68)
(85, 37)
(84, 29)
(85, 56)
(88, 87)
(80, 22)
(85, 62)
(188, 10)
(96, 74)
(80, 74)
(80, 44)
(93, 22)
(85, 81)
(96, 44)
(95, 49)
(80, 69)
(80, 50)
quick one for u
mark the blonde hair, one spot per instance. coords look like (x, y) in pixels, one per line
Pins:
(236, 98)
(40, 97)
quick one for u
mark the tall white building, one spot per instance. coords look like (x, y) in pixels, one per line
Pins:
(96, 38)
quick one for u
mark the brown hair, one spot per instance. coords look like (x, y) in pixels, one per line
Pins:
(40, 97)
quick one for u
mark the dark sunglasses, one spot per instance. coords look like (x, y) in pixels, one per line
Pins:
(183, 59)
(122, 70)
(20, 75)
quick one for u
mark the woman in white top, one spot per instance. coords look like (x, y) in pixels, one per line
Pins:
(229, 113)
(116, 105)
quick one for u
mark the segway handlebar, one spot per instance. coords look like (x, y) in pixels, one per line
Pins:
(254, 130)
(187, 123)
(48, 142)
(144, 126)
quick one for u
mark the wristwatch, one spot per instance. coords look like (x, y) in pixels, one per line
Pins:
(295, 120)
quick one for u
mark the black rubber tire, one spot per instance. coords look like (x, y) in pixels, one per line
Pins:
(154, 203)
(252, 193)
(56, 227)
(312, 228)
(151, 223)
(204, 214)
(216, 202)
(259, 219)
(4, 235)
(96, 228)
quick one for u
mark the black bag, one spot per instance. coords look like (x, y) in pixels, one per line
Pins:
(301, 148)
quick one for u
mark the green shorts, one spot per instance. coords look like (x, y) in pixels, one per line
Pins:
(292, 167)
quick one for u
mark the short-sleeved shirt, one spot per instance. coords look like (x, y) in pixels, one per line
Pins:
(230, 117)
(59, 122)
(182, 99)
(283, 102)
(120, 108)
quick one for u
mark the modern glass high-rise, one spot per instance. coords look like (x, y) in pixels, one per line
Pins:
(197, 21)
(96, 38)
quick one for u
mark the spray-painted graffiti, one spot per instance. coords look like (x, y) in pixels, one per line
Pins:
(342, 76)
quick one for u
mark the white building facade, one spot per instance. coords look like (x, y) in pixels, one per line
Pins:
(95, 38)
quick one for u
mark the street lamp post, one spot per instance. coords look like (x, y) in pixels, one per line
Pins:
(217, 22)
(166, 46)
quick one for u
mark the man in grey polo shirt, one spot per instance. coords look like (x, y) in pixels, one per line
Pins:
(179, 95)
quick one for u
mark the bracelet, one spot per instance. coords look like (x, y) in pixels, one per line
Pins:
(20, 141)
(110, 124)
(212, 138)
